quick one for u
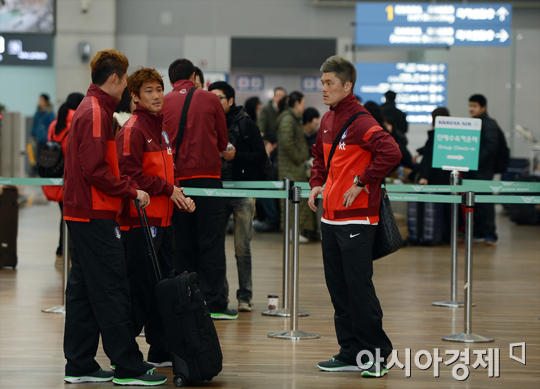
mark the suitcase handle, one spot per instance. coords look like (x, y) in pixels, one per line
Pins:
(149, 241)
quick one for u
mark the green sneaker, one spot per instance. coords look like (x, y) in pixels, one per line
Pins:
(97, 376)
(227, 314)
(335, 365)
(375, 370)
(148, 379)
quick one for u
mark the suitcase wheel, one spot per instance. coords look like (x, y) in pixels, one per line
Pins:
(179, 380)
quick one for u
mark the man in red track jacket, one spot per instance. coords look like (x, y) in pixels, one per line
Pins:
(97, 294)
(145, 154)
(199, 236)
(351, 198)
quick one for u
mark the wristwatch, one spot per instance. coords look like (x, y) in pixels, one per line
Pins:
(357, 182)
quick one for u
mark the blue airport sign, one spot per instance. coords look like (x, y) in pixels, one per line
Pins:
(433, 24)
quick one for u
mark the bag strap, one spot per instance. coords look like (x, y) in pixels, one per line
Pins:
(338, 137)
(183, 120)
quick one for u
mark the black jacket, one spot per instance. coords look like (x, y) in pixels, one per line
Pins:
(396, 116)
(250, 156)
(435, 176)
(489, 147)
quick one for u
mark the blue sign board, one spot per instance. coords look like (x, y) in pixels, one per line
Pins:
(420, 87)
(433, 24)
(311, 84)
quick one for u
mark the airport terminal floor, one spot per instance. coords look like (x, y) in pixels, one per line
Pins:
(506, 291)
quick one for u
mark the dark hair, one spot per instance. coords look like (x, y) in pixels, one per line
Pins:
(106, 63)
(390, 96)
(198, 72)
(125, 102)
(439, 111)
(310, 114)
(376, 111)
(45, 97)
(343, 69)
(181, 69)
(227, 90)
(72, 102)
(480, 99)
(250, 107)
(279, 88)
(289, 101)
(140, 76)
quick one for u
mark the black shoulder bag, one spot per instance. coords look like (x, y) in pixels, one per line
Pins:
(387, 238)
(50, 163)
(183, 121)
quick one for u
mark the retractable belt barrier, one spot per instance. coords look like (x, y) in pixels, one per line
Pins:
(506, 192)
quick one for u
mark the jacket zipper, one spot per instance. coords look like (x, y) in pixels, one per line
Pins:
(165, 167)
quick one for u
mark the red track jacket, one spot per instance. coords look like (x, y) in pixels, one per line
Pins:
(145, 154)
(93, 188)
(205, 135)
(365, 150)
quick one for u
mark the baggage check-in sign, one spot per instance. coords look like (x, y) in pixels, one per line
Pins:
(457, 143)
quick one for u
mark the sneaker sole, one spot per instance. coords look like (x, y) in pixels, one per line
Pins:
(135, 382)
(80, 380)
(343, 368)
(161, 364)
(245, 309)
(374, 375)
(219, 316)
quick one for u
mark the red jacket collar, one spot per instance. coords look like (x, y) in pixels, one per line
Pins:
(106, 101)
(183, 84)
(156, 121)
(346, 105)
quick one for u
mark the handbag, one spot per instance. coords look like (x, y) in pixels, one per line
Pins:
(387, 238)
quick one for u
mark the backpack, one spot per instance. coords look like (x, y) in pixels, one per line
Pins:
(502, 159)
(50, 163)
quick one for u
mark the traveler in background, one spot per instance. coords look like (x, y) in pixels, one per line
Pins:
(293, 156)
(427, 174)
(311, 126)
(485, 229)
(397, 117)
(253, 106)
(199, 78)
(123, 111)
(351, 198)
(43, 118)
(97, 295)
(58, 132)
(269, 113)
(145, 155)
(401, 139)
(199, 236)
(242, 161)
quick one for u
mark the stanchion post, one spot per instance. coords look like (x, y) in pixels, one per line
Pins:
(294, 333)
(67, 255)
(468, 336)
(285, 310)
(453, 303)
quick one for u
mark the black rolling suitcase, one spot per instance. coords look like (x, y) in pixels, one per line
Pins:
(9, 220)
(191, 335)
(426, 223)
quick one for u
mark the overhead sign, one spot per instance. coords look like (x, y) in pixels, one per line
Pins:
(457, 143)
(26, 49)
(249, 83)
(433, 24)
(420, 87)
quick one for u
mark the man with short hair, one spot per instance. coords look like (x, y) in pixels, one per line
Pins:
(145, 154)
(199, 78)
(269, 113)
(242, 161)
(97, 294)
(311, 126)
(199, 237)
(351, 199)
(397, 117)
(484, 214)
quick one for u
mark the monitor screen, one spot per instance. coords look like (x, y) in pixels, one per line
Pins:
(27, 16)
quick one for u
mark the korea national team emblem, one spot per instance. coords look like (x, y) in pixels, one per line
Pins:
(344, 134)
(183, 91)
(117, 233)
(342, 143)
(154, 232)
(165, 136)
